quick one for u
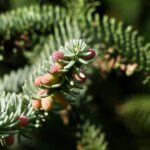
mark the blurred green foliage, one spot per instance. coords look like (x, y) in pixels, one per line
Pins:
(20, 3)
(135, 12)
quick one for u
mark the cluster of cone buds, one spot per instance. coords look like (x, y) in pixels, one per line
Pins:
(128, 69)
(52, 77)
(48, 98)
(109, 62)
(46, 103)
(23, 122)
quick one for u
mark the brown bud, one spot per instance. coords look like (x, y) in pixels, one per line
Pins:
(59, 98)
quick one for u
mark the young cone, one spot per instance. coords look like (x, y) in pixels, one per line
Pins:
(57, 55)
(36, 104)
(49, 79)
(55, 68)
(37, 81)
(47, 103)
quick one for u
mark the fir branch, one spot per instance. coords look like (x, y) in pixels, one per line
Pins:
(123, 41)
(59, 79)
(17, 115)
(21, 27)
(30, 18)
(119, 47)
(91, 138)
(15, 79)
(24, 26)
(69, 29)
(72, 52)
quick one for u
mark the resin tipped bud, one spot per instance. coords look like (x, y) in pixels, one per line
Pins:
(91, 55)
(23, 121)
(80, 76)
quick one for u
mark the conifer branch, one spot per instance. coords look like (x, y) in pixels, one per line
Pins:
(47, 89)
(91, 138)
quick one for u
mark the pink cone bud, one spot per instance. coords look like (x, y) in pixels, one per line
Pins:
(9, 140)
(91, 55)
(36, 104)
(55, 68)
(37, 81)
(47, 103)
(57, 55)
(23, 121)
(47, 79)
